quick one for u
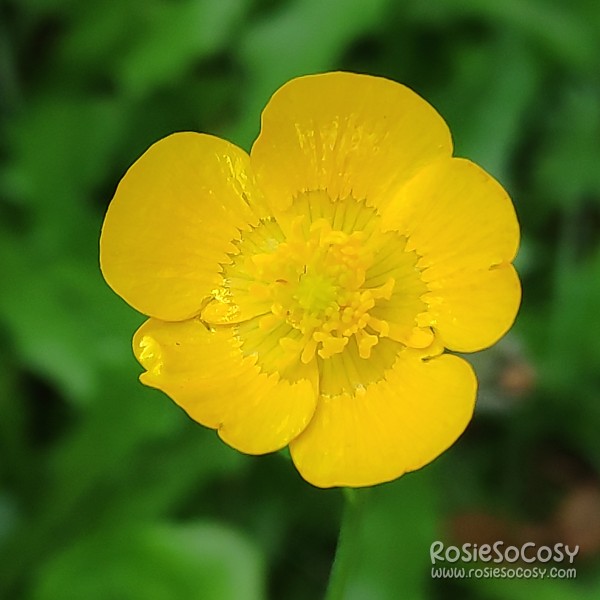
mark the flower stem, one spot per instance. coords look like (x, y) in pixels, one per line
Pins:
(348, 543)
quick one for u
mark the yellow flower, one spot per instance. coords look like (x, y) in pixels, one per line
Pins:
(305, 294)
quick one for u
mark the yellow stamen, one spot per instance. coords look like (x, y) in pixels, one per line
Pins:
(315, 283)
(323, 289)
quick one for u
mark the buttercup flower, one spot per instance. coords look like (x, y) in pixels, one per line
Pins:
(306, 294)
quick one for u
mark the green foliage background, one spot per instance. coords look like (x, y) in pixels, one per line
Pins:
(107, 490)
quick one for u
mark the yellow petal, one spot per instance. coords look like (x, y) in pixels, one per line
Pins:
(474, 309)
(206, 373)
(348, 134)
(462, 224)
(397, 425)
(172, 222)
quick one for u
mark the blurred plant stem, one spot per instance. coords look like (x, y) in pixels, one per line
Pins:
(348, 545)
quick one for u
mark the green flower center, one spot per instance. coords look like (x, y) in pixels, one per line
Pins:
(315, 293)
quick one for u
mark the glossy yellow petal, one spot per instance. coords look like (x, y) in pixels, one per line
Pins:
(173, 221)
(206, 373)
(462, 224)
(474, 310)
(350, 135)
(397, 425)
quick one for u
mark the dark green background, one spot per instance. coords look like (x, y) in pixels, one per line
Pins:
(107, 490)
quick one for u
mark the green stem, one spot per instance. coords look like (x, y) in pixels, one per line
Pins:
(348, 543)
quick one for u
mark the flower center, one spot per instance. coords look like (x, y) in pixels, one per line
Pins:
(315, 293)
(315, 283)
(322, 285)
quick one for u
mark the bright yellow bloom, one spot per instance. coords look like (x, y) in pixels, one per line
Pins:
(304, 294)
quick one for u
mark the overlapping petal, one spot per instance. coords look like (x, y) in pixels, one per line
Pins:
(172, 221)
(462, 224)
(397, 425)
(206, 373)
(347, 134)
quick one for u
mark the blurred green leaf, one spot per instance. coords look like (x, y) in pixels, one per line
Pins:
(563, 32)
(567, 172)
(61, 149)
(487, 101)
(572, 353)
(196, 561)
(175, 35)
(62, 326)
